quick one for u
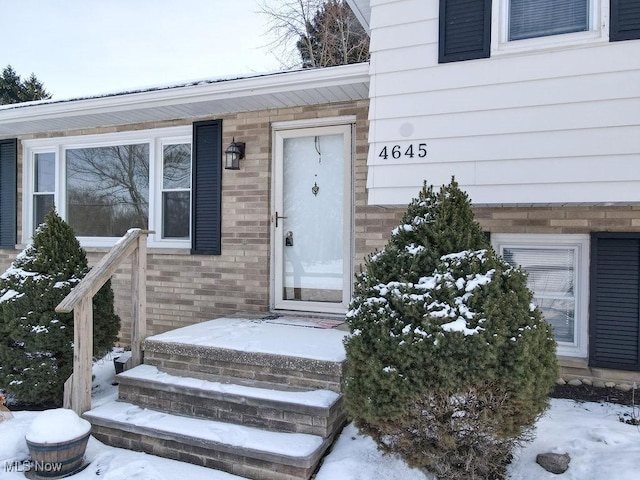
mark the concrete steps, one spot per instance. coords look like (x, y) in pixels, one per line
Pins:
(299, 357)
(257, 400)
(244, 451)
(269, 406)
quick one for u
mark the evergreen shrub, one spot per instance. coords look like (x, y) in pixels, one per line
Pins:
(449, 362)
(36, 343)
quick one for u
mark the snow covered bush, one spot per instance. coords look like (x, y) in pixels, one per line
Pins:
(449, 363)
(36, 343)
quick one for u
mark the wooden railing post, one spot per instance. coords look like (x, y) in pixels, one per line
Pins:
(82, 356)
(138, 300)
(77, 393)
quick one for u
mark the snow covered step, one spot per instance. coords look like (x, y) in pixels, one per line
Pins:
(245, 451)
(282, 354)
(317, 412)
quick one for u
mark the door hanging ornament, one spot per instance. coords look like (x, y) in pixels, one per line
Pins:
(315, 189)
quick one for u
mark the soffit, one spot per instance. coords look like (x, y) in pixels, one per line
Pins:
(194, 100)
(362, 11)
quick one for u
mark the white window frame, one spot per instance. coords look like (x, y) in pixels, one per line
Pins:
(155, 138)
(580, 245)
(159, 183)
(32, 185)
(500, 44)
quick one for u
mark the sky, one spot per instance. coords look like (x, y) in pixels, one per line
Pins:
(89, 47)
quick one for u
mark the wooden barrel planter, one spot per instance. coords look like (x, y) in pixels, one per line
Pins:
(56, 460)
(52, 455)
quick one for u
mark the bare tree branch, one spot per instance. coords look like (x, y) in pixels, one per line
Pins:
(315, 33)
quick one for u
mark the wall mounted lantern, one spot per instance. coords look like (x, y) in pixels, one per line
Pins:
(233, 154)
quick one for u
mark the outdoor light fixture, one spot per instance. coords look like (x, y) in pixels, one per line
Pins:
(233, 154)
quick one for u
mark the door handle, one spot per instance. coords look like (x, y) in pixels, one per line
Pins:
(277, 217)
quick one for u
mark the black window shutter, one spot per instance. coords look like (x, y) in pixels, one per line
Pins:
(465, 30)
(8, 192)
(624, 20)
(614, 325)
(207, 188)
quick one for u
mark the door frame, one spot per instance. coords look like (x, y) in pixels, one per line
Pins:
(305, 128)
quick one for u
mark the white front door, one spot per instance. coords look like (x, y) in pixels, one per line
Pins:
(312, 219)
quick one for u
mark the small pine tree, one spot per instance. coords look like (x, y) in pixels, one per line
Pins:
(449, 363)
(36, 343)
(15, 90)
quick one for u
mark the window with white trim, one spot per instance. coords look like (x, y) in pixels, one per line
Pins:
(44, 181)
(541, 18)
(103, 185)
(107, 189)
(534, 24)
(176, 190)
(557, 269)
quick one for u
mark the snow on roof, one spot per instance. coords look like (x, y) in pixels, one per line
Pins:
(198, 99)
(142, 89)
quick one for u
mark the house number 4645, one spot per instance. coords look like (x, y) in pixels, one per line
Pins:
(396, 151)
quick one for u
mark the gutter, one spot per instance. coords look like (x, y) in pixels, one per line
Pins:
(190, 93)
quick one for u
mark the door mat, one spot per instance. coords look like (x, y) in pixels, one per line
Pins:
(305, 321)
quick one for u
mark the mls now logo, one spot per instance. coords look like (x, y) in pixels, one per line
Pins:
(28, 465)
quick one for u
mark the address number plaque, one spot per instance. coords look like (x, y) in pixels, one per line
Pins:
(396, 152)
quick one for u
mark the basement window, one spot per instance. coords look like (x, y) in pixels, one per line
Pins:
(557, 269)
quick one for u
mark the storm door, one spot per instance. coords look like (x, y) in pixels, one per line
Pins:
(312, 219)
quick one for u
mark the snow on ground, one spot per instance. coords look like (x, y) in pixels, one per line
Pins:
(355, 457)
(601, 447)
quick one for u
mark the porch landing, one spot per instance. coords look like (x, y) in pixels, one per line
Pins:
(255, 398)
(278, 336)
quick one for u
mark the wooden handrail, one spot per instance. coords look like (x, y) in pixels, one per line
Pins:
(80, 301)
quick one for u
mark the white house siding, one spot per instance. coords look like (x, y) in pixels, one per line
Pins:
(558, 126)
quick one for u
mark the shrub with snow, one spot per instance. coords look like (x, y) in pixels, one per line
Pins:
(449, 363)
(36, 343)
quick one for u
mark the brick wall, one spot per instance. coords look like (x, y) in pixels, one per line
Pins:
(183, 289)
(585, 219)
(374, 224)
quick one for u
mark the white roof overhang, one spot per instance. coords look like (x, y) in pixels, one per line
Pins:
(193, 100)
(362, 11)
